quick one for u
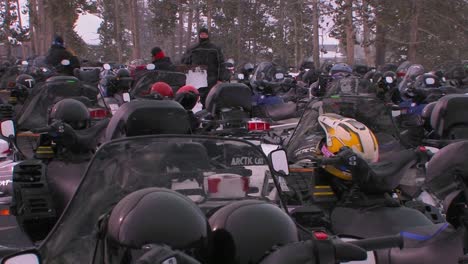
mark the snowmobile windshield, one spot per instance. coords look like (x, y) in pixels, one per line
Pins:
(210, 171)
(368, 110)
(267, 71)
(44, 96)
(143, 82)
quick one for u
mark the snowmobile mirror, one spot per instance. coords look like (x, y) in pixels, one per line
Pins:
(8, 128)
(126, 97)
(65, 62)
(25, 257)
(150, 67)
(240, 76)
(279, 76)
(430, 81)
(24, 63)
(388, 79)
(106, 66)
(279, 161)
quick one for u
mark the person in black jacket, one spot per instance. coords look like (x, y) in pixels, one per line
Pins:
(207, 54)
(57, 53)
(160, 60)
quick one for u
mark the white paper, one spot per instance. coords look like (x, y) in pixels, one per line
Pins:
(197, 78)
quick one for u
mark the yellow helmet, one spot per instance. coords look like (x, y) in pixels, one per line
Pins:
(347, 132)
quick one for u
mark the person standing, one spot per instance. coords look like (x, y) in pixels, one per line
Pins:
(57, 53)
(207, 54)
(160, 60)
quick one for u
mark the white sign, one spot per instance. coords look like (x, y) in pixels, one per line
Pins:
(197, 78)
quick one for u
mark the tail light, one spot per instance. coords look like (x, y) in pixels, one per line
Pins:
(319, 235)
(98, 113)
(11, 84)
(401, 74)
(258, 125)
(246, 182)
(5, 212)
(213, 185)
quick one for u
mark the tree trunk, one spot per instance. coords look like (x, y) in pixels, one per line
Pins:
(281, 26)
(414, 25)
(208, 14)
(188, 41)
(254, 39)
(366, 31)
(6, 28)
(133, 15)
(180, 31)
(380, 47)
(117, 31)
(349, 32)
(301, 40)
(197, 14)
(315, 40)
(296, 41)
(33, 26)
(240, 27)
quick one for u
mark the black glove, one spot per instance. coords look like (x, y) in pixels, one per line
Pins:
(349, 158)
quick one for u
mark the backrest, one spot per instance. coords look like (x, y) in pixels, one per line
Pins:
(449, 119)
(229, 95)
(148, 117)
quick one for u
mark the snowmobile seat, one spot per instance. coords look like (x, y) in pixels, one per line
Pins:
(148, 117)
(281, 111)
(386, 175)
(449, 119)
(229, 95)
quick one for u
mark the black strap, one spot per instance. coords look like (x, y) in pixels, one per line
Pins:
(101, 237)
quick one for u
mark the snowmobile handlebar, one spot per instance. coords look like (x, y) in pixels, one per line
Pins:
(371, 244)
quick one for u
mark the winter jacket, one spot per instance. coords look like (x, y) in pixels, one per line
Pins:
(164, 64)
(210, 55)
(58, 53)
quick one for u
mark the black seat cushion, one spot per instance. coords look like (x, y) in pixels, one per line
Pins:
(373, 222)
(89, 76)
(450, 111)
(148, 117)
(281, 111)
(229, 95)
(386, 175)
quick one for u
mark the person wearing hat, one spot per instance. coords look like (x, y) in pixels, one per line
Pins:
(57, 52)
(207, 54)
(160, 60)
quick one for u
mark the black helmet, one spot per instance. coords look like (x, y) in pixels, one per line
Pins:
(388, 67)
(249, 66)
(158, 216)
(428, 80)
(26, 80)
(360, 69)
(244, 231)
(72, 112)
(123, 73)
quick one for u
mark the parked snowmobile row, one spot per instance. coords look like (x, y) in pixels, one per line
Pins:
(122, 169)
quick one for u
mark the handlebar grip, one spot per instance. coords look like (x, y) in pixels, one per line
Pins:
(377, 243)
(345, 252)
